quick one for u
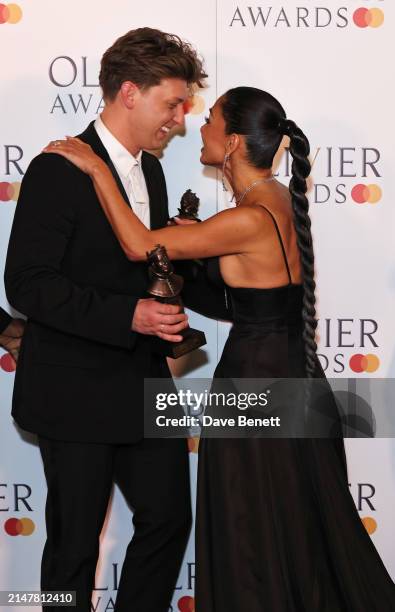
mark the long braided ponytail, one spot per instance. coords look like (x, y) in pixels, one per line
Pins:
(300, 149)
(261, 118)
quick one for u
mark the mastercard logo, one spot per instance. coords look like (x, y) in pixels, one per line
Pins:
(372, 18)
(15, 527)
(193, 445)
(370, 524)
(9, 191)
(7, 363)
(362, 194)
(10, 13)
(194, 105)
(364, 363)
(186, 604)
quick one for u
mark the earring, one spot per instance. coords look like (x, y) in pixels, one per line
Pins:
(224, 187)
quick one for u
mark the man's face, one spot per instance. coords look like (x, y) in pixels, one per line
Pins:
(156, 110)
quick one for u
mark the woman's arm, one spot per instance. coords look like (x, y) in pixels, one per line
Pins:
(224, 233)
(228, 232)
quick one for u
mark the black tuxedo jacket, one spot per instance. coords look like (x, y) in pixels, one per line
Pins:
(81, 369)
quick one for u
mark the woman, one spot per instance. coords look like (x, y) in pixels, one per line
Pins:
(275, 519)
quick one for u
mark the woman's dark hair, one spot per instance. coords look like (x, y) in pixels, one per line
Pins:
(146, 56)
(261, 119)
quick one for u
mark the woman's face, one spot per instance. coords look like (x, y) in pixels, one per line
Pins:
(214, 137)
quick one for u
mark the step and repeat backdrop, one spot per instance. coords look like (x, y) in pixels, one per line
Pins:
(328, 63)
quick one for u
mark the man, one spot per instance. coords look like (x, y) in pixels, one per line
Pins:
(11, 332)
(87, 344)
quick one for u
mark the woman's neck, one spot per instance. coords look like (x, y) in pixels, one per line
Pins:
(241, 177)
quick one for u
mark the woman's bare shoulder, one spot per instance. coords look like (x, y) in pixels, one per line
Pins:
(248, 217)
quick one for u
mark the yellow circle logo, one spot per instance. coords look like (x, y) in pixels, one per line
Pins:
(370, 524)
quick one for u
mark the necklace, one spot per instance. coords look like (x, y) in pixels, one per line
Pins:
(251, 186)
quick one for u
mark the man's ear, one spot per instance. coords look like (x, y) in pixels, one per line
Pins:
(128, 93)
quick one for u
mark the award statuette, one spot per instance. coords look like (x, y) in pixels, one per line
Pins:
(189, 206)
(165, 286)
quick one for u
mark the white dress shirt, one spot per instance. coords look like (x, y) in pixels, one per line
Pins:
(129, 170)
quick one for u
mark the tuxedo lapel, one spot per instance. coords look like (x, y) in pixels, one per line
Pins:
(154, 192)
(118, 181)
(91, 137)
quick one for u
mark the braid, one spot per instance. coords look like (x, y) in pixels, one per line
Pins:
(300, 149)
(258, 116)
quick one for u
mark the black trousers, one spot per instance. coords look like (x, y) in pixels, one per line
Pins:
(153, 476)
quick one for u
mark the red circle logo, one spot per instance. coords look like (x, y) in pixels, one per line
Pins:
(186, 604)
(7, 363)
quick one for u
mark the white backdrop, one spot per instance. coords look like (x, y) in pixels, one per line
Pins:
(330, 74)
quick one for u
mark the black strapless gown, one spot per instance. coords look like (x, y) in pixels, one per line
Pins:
(276, 526)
